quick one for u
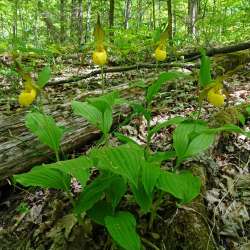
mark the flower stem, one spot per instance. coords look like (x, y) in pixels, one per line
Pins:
(102, 73)
(57, 155)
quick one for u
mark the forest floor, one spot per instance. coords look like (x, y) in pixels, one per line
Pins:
(38, 219)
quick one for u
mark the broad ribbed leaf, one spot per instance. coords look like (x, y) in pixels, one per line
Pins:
(155, 87)
(122, 228)
(43, 77)
(123, 138)
(89, 112)
(150, 174)
(183, 186)
(181, 138)
(124, 160)
(185, 133)
(205, 70)
(199, 143)
(107, 120)
(104, 101)
(78, 168)
(45, 128)
(143, 199)
(139, 109)
(99, 211)
(93, 193)
(158, 127)
(45, 177)
(116, 190)
(161, 156)
(229, 128)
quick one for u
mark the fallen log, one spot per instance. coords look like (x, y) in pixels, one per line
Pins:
(20, 150)
(190, 56)
(122, 69)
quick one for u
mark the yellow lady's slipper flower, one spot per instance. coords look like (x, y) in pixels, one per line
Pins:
(160, 54)
(100, 56)
(215, 97)
(27, 97)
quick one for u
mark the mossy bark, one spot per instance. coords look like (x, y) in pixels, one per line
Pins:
(189, 228)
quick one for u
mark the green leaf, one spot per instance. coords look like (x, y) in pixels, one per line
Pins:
(150, 174)
(242, 119)
(45, 177)
(104, 101)
(45, 128)
(159, 126)
(139, 84)
(155, 87)
(199, 143)
(124, 160)
(205, 70)
(107, 121)
(89, 112)
(122, 228)
(161, 156)
(124, 138)
(143, 199)
(229, 128)
(93, 193)
(97, 111)
(78, 168)
(248, 109)
(183, 186)
(99, 211)
(43, 77)
(116, 190)
(181, 138)
(138, 109)
(185, 133)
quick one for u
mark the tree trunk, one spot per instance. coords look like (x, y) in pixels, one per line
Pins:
(73, 21)
(88, 16)
(170, 22)
(174, 19)
(14, 23)
(80, 22)
(52, 30)
(127, 9)
(36, 23)
(193, 7)
(139, 13)
(111, 19)
(153, 13)
(159, 13)
(62, 21)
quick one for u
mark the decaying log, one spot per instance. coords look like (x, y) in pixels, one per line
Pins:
(20, 150)
(236, 59)
(215, 51)
(122, 69)
(229, 63)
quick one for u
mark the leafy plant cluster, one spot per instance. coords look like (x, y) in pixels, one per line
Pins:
(127, 168)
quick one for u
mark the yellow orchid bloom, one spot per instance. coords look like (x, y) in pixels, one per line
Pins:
(26, 97)
(215, 97)
(160, 53)
(100, 56)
